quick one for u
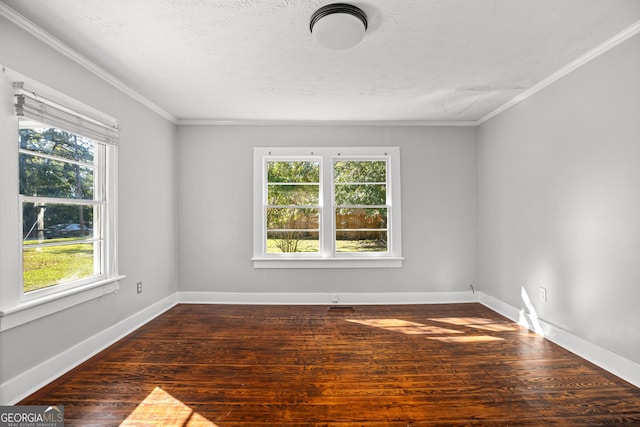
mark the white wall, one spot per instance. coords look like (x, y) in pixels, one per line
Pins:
(439, 209)
(559, 178)
(558, 192)
(147, 212)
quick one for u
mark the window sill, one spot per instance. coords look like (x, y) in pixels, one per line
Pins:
(28, 311)
(353, 262)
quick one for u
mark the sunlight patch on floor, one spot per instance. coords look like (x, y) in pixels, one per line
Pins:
(446, 334)
(404, 326)
(467, 339)
(159, 408)
(479, 323)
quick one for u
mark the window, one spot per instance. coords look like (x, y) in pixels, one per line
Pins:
(66, 197)
(62, 206)
(327, 207)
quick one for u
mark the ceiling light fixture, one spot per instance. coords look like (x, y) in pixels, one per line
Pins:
(338, 26)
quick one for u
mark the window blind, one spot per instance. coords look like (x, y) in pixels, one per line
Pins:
(32, 106)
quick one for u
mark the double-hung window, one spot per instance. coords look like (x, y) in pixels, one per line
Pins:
(66, 168)
(327, 207)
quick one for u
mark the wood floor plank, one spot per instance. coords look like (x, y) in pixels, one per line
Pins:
(407, 365)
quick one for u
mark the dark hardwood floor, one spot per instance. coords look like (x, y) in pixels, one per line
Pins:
(411, 365)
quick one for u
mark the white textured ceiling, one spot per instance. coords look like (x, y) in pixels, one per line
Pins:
(255, 60)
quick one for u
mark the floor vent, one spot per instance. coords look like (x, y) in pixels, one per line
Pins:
(341, 308)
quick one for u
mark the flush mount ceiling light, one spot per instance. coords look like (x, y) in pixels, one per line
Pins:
(338, 26)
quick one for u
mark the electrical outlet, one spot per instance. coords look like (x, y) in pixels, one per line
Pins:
(139, 287)
(335, 299)
(543, 294)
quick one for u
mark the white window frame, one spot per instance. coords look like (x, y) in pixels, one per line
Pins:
(327, 257)
(16, 306)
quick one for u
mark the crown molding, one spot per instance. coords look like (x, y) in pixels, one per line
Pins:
(592, 54)
(381, 123)
(31, 28)
(65, 50)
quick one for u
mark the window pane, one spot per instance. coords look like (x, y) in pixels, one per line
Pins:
(293, 241)
(56, 221)
(361, 230)
(53, 265)
(360, 194)
(293, 229)
(355, 219)
(360, 183)
(293, 219)
(361, 241)
(292, 194)
(304, 171)
(55, 142)
(52, 178)
(360, 171)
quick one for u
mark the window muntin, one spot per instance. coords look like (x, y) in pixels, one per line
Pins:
(355, 221)
(62, 207)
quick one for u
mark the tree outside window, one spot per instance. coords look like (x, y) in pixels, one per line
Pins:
(57, 182)
(319, 207)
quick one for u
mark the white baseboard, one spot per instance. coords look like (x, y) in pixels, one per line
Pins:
(17, 388)
(30, 381)
(606, 359)
(308, 298)
(508, 311)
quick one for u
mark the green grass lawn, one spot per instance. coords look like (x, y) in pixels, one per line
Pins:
(342, 246)
(303, 246)
(51, 265)
(360, 246)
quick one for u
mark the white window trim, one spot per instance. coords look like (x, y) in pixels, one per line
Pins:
(327, 258)
(16, 307)
(35, 308)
